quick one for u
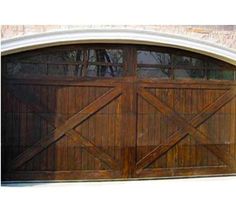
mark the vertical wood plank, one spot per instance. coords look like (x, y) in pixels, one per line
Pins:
(59, 111)
(78, 148)
(232, 141)
(84, 130)
(43, 101)
(71, 111)
(88, 132)
(118, 126)
(98, 134)
(129, 140)
(64, 141)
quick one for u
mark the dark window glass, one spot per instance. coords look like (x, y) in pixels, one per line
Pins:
(56, 69)
(65, 70)
(217, 70)
(162, 73)
(56, 57)
(95, 61)
(104, 71)
(153, 64)
(186, 61)
(25, 69)
(151, 57)
(112, 56)
(221, 74)
(105, 63)
(50, 63)
(189, 73)
(186, 67)
(68, 62)
(177, 64)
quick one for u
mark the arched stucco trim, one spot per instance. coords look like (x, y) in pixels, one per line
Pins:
(47, 39)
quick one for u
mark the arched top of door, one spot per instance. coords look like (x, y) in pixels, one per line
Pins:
(126, 36)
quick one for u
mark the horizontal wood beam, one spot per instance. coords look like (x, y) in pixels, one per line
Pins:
(61, 175)
(188, 171)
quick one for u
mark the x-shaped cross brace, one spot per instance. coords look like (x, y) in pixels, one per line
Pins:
(186, 128)
(66, 127)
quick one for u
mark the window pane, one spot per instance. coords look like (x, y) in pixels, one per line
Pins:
(151, 57)
(63, 56)
(163, 73)
(217, 70)
(56, 69)
(184, 61)
(26, 69)
(189, 73)
(51, 63)
(104, 71)
(114, 56)
(73, 56)
(105, 63)
(221, 74)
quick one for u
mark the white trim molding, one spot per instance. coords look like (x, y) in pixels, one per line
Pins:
(29, 42)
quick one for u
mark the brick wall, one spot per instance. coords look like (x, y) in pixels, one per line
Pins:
(221, 35)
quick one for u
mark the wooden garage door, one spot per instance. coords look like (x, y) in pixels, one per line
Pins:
(115, 112)
(185, 130)
(63, 128)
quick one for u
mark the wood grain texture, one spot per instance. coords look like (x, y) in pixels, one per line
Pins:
(181, 133)
(67, 125)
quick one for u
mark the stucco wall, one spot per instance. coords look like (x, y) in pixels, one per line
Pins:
(221, 35)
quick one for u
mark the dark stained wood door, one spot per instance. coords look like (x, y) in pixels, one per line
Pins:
(62, 130)
(185, 129)
(115, 122)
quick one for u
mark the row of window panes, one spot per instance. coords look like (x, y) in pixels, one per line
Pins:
(64, 70)
(109, 63)
(65, 63)
(116, 71)
(160, 58)
(114, 56)
(159, 64)
(166, 73)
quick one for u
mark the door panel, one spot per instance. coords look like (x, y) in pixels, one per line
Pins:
(81, 112)
(185, 131)
(129, 130)
(54, 129)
